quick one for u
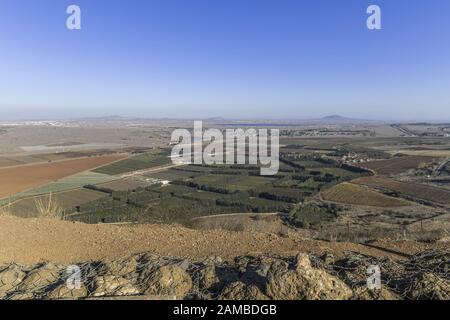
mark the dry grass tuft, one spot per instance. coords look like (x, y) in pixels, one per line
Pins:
(47, 207)
(5, 210)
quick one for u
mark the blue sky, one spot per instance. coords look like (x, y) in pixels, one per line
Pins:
(230, 58)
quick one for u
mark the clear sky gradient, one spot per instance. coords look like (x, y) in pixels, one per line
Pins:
(280, 59)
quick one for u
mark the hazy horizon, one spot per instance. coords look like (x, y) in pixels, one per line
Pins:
(217, 118)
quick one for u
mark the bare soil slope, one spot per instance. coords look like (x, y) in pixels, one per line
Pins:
(31, 241)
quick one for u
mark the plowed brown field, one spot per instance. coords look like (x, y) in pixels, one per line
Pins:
(20, 178)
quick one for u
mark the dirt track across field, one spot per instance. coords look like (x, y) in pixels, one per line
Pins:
(30, 241)
(20, 178)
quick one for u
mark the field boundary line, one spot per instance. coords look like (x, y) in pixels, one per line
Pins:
(262, 214)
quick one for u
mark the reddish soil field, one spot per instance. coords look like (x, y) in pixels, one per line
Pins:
(20, 178)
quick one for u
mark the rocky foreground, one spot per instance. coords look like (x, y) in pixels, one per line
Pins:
(147, 276)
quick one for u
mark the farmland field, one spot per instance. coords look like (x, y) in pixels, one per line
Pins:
(75, 181)
(171, 203)
(344, 174)
(232, 182)
(139, 162)
(68, 199)
(7, 161)
(426, 153)
(124, 184)
(173, 174)
(18, 160)
(199, 190)
(20, 178)
(349, 193)
(396, 165)
(415, 190)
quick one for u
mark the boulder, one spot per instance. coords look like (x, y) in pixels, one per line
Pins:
(122, 267)
(170, 280)
(40, 278)
(255, 270)
(112, 285)
(430, 286)
(364, 293)
(212, 277)
(10, 277)
(240, 291)
(62, 291)
(304, 282)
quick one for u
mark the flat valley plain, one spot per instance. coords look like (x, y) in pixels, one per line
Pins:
(339, 181)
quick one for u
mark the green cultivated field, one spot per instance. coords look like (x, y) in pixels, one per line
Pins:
(68, 183)
(139, 162)
(233, 182)
(199, 190)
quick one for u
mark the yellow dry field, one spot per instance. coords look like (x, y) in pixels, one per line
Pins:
(349, 193)
(425, 153)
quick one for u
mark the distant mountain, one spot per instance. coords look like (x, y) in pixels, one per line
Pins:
(215, 119)
(337, 119)
(102, 118)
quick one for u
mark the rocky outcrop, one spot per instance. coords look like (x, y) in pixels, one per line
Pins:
(10, 277)
(240, 291)
(112, 285)
(430, 286)
(304, 282)
(169, 280)
(424, 276)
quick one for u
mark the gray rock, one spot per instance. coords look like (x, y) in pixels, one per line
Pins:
(10, 277)
(168, 280)
(40, 278)
(213, 277)
(240, 291)
(62, 291)
(112, 285)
